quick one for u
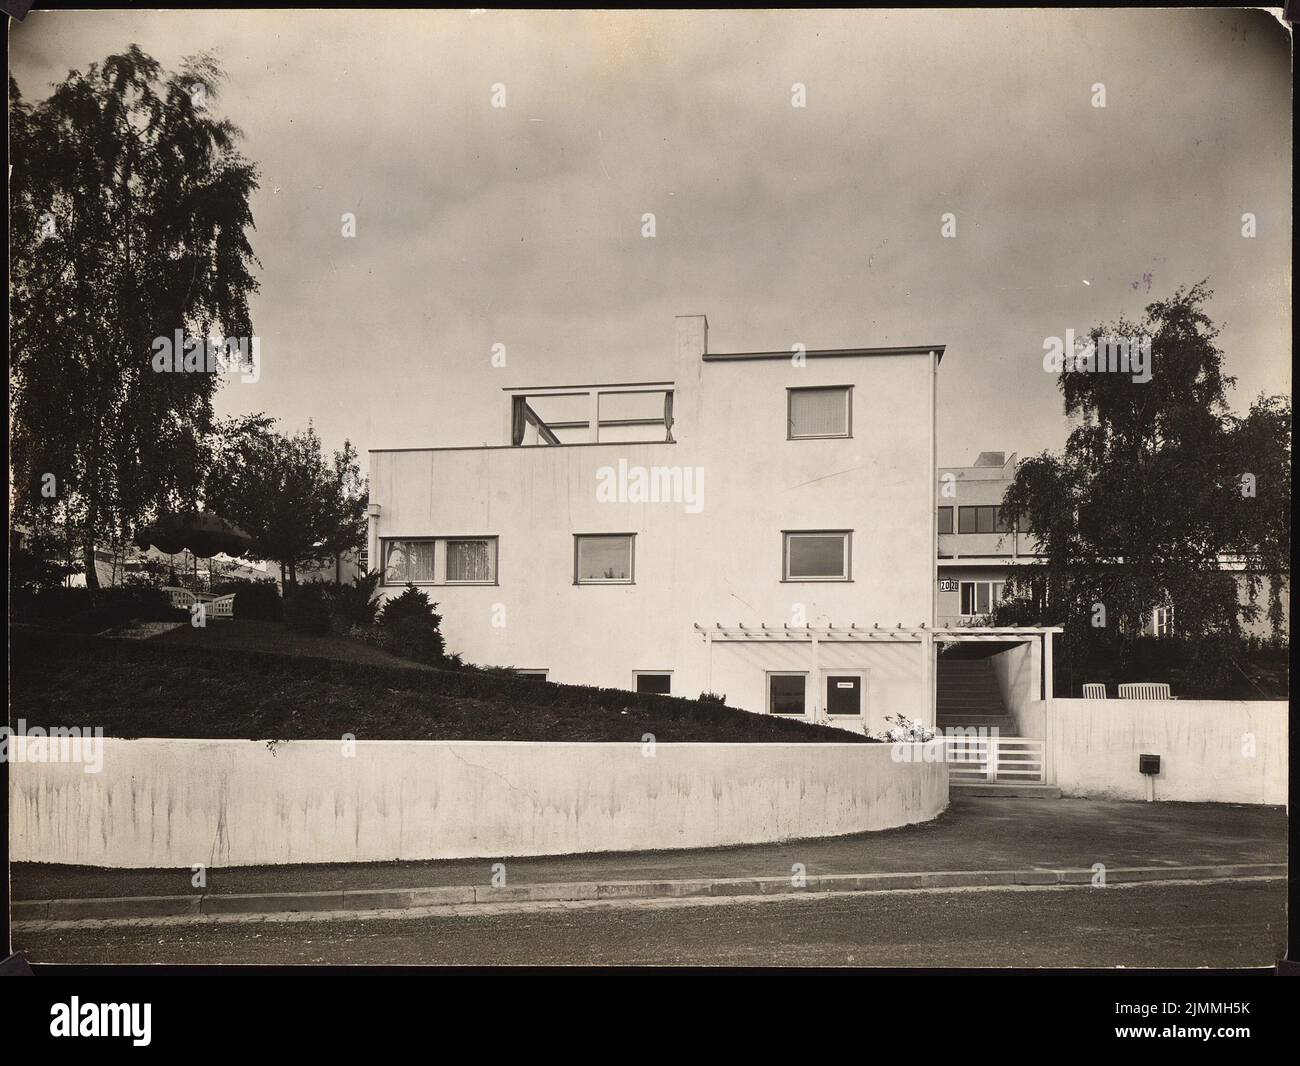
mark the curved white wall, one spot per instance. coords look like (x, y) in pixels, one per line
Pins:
(173, 803)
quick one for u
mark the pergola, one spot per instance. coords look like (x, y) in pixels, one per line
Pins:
(922, 635)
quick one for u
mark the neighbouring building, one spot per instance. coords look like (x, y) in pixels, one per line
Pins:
(978, 548)
(754, 524)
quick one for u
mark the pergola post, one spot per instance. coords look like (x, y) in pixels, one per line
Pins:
(708, 650)
(819, 712)
(929, 670)
(1049, 717)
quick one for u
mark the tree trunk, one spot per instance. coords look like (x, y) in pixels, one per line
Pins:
(88, 557)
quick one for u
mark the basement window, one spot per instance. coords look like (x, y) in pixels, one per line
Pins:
(813, 413)
(787, 693)
(659, 682)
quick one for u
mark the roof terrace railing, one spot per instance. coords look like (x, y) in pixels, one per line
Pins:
(636, 412)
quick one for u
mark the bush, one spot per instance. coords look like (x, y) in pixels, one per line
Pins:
(259, 600)
(412, 603)
(415, 639)
(718, 699)
(307, 610)
(409, 626)
(120, 606)
(356, 604)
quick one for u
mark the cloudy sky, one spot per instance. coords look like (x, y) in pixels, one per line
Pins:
(818, 226)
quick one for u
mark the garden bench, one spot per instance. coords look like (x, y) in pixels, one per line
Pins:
(1144, 691)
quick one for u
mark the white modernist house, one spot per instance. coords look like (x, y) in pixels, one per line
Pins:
(760, 525)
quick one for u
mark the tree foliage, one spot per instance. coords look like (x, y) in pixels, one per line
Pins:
(297, 505)
(128, 210)
(1158, 493)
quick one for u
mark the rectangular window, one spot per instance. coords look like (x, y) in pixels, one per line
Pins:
(532, 675)
(471, 562)
(786, 693)
(819, 412)
(440, 561)
(408, 562)
(657, 682)
(982, 519)
(817, 556)
(945, 519)
(980, 597)
(603, 559)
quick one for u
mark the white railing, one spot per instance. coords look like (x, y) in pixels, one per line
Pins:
(214, 606)
(1144, 691)
(994, 758)
(1094, 691)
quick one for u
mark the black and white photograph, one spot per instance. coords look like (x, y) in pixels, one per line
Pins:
(650, 490)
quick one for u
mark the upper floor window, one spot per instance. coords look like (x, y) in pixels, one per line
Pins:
(821, 555)
(980, 597)
(945, 519)
(819, 412)
(440, 561)
(603, 558)
(982, 519)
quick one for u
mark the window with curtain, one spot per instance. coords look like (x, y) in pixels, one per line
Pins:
(408, 561)
(471, 560)
(440, 561)
(818, 412)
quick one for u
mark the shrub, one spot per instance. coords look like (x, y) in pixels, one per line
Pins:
(415, 639)
(120, 606)
(719, 699)
(358, 603)
(409, 626)
(412, 603)
(259, 600)
(307, 610)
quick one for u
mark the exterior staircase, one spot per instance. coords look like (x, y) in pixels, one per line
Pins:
(969, 696)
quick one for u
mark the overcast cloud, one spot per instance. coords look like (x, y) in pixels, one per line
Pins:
(818, 226)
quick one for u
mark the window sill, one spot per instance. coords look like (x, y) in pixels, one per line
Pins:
(817, 581)
(437, 584)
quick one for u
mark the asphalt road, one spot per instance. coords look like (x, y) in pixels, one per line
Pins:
(1219, 925)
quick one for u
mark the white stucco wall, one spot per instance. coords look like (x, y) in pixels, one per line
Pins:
(174, 803)
(1205, 748)
(723, 564)
(1019, 671)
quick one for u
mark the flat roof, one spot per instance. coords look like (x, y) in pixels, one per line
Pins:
(828, 353)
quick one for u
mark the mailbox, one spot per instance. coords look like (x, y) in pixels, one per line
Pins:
(1149, 764)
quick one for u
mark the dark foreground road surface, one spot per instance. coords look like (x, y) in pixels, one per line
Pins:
(1218, 925)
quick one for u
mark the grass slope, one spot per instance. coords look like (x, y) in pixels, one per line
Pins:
(171, 688)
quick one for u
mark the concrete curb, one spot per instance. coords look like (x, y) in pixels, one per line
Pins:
(367, 899)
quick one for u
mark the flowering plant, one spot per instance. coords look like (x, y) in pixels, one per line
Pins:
(905, 731)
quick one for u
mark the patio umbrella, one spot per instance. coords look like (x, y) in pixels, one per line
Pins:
(204, 533)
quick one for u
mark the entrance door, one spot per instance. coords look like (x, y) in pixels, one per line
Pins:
(845, 694)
